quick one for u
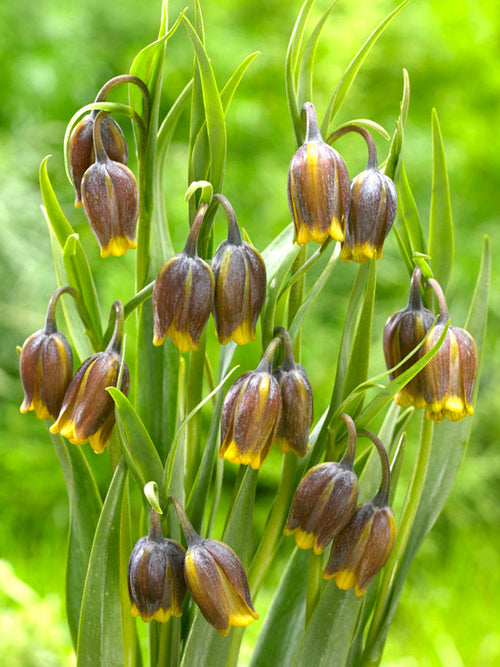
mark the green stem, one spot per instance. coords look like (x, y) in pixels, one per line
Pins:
(138, 299)
(317, 254)
(314, 581)
(163, 637)
(296, 298)
(194, 395)
(273, 530)
(405, 527)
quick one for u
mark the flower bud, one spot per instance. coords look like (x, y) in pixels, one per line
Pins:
(372, 212)
(156, 583)
(81, 148)
(183, 295)
(403, 331)
(240, 284)
(217, 580)
(110, 199)
(46, 366)
(88, 411)
(250, 415)
(296, 402)
(325, 500)
(362, 548)
(450, 375)
(318, 187)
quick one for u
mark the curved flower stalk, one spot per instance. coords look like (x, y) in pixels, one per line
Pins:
(88, 412)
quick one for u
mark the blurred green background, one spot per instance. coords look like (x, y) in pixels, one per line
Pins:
(55, 56)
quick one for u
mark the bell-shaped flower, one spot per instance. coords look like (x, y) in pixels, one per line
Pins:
(319, 194)
(81, 154)
(216, 579)
(365, 543)
(88, 411)
(296, 401)
(156, 583)
(373, 206)
(403, 331)
(250, 414)
(450, 376)
(110, 199)
(183, 294)
(46, 366)
(240, 284)
(325, 499)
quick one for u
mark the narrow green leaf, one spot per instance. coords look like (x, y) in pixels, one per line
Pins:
(84, 510)
(100, 638)
(410, 216)
(291, 63)
(55, 216)
(147, 66)
(80, 277)
(369, 124)
(216, 126)
(353, 68)
(305, 79)
(200, 490)
(279, 257)
(357, 369)
(142, 457)
(156, 399)
(328, 636)
(314, 292)
(441, 241)
(393, 162)
(282, 629)
(200, 151)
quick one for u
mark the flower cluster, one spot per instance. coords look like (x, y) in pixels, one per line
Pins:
(160, 571)
(187, 289)
(107, 188)
(324, 205)
(324, 509)
(81, 408)
(265, 405)
(446, 384)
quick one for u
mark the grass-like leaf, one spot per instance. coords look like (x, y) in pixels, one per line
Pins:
(393, 162)
(80, 277)
(103, 641)
(84, 509)
(441, 241)
(353, 68)
(291, 65)
(55, 216)
(140, 452)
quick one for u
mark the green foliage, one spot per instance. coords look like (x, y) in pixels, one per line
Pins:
(151, 422)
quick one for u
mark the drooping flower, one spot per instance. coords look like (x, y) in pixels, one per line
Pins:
(450, 376)
(403, 331)
(110, 198)
(240, 284)
(156, 576)
(81, 154)
(373, 206)
(296, 401)
(216, 579)
(325, 499)
(365, 543)
(88, 411)
(250, 414)
(46, 366)
(183, 294)
(318, 187)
